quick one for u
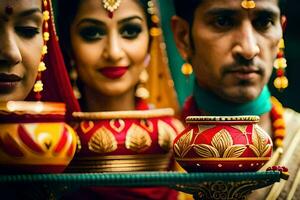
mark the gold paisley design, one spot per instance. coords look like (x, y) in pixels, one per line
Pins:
(260, 145)
(166, 135)
(221, 141)
(206, 151)
(137, 139)
(234, 151)
(86, 126)
(119, 128)
(103, 141)
(183, 145)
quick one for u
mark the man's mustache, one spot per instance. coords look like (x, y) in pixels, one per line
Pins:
(244, 66)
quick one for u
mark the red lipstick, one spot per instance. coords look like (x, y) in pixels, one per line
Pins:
(113, 72)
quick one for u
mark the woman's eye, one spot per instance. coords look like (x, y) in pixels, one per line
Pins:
(27, 31)
(92, 33)
(130, 31)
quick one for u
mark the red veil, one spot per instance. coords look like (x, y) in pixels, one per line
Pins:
(57, 86)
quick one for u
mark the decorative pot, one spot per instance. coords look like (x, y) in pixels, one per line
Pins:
(124, 141)
(34, 137)
(223, 144)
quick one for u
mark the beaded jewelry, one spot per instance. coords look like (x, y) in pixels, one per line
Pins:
(111, 6)
(38, 86)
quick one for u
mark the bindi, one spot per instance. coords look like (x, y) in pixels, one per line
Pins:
(9, 10)
(248, 4)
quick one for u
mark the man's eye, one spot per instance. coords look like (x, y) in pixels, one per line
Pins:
(130, 31)
(92, 33)
(223, 22)
(263, 23)
(27, 31)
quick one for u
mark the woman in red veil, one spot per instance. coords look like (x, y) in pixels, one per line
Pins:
(28, 38)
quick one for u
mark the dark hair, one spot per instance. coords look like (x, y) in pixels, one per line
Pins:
(66, 12)
(186, 8)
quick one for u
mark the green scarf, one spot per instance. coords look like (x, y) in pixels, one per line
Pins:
(214, 105)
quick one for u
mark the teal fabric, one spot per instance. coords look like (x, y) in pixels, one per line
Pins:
(183, 85)
(212, 104)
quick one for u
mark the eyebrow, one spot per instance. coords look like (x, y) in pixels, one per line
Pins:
(29, 12)
(100, 23)
(218, 11)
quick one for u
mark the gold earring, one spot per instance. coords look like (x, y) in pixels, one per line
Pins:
(187, 69)
(73, 77)
(141, 91)
(281, 82)
(38, 86)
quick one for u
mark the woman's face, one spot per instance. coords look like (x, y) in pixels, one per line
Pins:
(110, 53)
(20, 47)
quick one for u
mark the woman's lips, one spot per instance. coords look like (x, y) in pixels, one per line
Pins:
(113, 72)
(8, 82)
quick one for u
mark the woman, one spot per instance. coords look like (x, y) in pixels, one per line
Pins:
(25, 30)
(110, 46)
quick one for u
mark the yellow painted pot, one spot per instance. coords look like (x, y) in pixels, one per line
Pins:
(34, 137)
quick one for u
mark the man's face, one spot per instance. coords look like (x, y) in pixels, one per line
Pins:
(232, 49)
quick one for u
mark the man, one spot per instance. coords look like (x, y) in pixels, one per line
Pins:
(231, 45)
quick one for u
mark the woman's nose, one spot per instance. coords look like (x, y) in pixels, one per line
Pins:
(10, 54)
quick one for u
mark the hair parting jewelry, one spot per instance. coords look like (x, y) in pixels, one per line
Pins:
(38, 86)
(111, 6)
(248, 4)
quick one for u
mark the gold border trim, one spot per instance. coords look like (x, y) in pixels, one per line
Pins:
(121, 163)
(226, 119)
(222, 159)
(32, 107)
(130, 114)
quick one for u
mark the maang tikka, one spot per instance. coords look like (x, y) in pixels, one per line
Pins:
(111, 6)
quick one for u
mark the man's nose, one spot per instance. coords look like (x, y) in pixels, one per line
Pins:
(10, 54)
(246, 44)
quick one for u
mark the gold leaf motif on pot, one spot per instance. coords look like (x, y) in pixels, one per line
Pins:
(103, 141)
(206, 151)
(166, 135)
(221, 141)
(234, 151)
(260, 143)
(137, 139)
(183, 145)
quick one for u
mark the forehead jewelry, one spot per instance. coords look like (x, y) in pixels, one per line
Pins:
(111, 6)
(248, 4)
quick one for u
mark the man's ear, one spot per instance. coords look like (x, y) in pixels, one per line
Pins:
(283, 22)
(181, 33)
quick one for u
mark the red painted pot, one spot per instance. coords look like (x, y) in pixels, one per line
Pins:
(34, 137)
(125, 140)
(222, 144)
